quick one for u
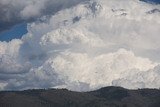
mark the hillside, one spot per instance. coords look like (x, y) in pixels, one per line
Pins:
(104, 97)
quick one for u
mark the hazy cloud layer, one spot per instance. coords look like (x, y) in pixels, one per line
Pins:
(91, 45)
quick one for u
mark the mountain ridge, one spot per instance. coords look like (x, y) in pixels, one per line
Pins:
(104, 97)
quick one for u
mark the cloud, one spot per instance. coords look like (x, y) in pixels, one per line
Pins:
(17, 11)
(10, 61)
(108, 44)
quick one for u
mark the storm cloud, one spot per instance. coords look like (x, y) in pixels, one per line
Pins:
(84, 46)
(17, 11)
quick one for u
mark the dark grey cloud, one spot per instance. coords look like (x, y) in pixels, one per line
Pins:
(13, 12)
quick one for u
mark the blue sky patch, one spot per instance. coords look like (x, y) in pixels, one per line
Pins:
(14, 33)
(152, 1)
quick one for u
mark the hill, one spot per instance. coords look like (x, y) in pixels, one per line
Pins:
(104, 97)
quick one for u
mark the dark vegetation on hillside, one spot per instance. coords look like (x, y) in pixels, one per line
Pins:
(104, 97)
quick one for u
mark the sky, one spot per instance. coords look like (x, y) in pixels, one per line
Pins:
(80, 45)
(15, 32)
(153, 1)
(18, 30)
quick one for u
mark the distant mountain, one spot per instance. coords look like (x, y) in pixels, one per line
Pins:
(104, 97)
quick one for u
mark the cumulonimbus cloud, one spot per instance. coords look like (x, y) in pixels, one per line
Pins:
(90, 45)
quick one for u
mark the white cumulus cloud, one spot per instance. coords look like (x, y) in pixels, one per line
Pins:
(90, 45)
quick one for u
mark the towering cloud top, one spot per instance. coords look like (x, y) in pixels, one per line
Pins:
(84, 45)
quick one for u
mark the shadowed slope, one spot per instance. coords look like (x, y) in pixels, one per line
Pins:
(104, 97)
